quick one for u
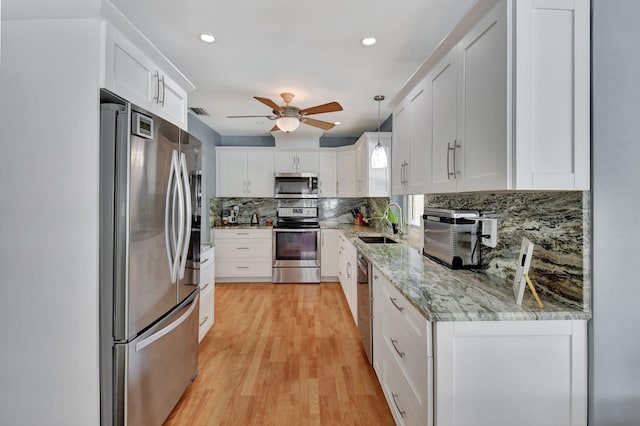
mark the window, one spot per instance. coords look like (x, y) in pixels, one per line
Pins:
(414, 206)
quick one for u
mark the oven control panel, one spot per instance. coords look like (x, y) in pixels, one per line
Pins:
(297, 212)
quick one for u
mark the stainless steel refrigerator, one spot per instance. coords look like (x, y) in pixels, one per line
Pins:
(150, 173)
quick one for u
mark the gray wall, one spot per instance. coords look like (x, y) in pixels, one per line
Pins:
(614, 339)
(210, 139)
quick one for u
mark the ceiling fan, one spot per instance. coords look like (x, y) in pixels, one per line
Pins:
(289, 117)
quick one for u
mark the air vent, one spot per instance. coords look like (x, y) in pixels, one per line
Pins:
(198, 111)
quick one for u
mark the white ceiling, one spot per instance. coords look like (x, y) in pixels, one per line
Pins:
(312, 49)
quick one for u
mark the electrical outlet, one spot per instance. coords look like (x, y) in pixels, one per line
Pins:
(490, 228)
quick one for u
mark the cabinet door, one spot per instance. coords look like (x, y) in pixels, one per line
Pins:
(173, 101)
(400, 147)
(346, 174)
(419, 129)
(231, 170)
(552, 112)
(378, 181)
(128, 72)
(260, 176)
(285, 161)
(361, 165)
(307, 162)
(444, 118)
(329, 253)
(484, 157)
(327, 173)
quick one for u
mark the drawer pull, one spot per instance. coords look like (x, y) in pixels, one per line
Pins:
(242, 248)
(204, 320)
(242, 233)
(203, 288)
(242, 267)
(393, 300)
(395, 396)
(393, 342)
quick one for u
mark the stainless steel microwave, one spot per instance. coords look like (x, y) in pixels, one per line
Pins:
(296, 185)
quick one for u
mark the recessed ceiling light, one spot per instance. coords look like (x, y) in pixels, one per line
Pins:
(337, 123)
(368, 41)
(207, 38)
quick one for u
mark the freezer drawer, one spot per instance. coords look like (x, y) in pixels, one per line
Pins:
(153, 371)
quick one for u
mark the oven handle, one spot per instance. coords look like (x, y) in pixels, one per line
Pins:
(296, 229)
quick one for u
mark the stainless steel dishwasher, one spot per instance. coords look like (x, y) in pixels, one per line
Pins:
(365, 326)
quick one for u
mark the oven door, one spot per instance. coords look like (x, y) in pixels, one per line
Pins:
(296, 248)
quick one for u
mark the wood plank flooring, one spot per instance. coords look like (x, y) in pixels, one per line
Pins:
(282, 354)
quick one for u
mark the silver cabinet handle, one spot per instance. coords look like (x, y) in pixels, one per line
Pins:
(203, 288)
(395, 396)
(375, 277)
(242, 267)
(449, 149)
(248, 187)
(242, 233)
(156, 98)
(242, 248)
(393, 300)
(455, 172)
(393, 342)
(164, 88)
(204, 320)
(348, 269)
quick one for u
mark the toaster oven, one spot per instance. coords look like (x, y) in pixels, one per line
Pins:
(452, 237)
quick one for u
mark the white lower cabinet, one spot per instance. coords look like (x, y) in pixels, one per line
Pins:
(403, 355)
(348, 274)
(511, 372)
(207, 292)
(243, 254)
(329, 253)
(477, 373)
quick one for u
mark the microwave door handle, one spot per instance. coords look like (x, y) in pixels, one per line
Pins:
(187, 212)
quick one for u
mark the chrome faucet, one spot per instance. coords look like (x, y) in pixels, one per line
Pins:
(388, 223)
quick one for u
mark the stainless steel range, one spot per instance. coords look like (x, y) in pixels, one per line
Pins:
(296, 245)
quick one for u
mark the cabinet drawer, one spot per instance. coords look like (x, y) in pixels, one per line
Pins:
(243, 249)
(406, 335)
(242, 234)
(405, 407)
(244, 268)
(402, 312)
(205, 320)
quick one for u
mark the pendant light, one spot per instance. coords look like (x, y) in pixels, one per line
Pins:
(379, 154)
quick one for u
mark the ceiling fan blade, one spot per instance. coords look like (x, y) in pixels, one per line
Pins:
(319, 109)
(317, 123)
(268, 102)
(274, 128)
(270, 117)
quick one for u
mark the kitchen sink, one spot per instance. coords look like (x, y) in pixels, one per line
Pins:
(376, 239)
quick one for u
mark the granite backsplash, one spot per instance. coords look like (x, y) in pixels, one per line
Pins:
(559, 225)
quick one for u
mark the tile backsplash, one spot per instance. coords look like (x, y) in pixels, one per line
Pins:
(559, 225)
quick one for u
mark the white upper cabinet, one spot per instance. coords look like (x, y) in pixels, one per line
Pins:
(372, 182)
(409, 149)
(244, 172)
(327, 172)
(130, 74)
(552, 111)
(346, 172)
(296, 161)
(508, 103)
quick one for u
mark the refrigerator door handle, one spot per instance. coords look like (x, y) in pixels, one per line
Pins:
(168, 329)
(187, 222)
(167, 209)
(180, 223)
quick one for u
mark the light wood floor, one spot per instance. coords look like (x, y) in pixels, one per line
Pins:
(282, 354)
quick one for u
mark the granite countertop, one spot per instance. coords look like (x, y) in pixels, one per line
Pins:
(443, 294)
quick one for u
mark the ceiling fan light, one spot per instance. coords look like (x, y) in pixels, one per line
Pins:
(287, 124)
(379, 157)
